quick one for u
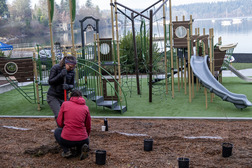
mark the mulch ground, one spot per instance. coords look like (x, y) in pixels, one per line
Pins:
(198, 140)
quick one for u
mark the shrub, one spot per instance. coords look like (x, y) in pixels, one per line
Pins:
(127, 53)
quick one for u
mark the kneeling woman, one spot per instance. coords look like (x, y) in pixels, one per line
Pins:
(75, 125)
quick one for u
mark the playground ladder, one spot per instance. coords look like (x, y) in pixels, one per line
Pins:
(28, 91)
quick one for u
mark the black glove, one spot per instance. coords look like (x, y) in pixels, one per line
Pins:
(70, 87)
(65, 86)
(63, 72)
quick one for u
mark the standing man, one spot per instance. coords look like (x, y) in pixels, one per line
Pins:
(61, 78)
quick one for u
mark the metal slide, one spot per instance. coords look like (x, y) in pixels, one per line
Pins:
(201, 70)
(237, 73)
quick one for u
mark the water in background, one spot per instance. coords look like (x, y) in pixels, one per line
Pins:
(232, 30)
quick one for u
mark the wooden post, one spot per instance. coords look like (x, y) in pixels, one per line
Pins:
(197, 80)
(213, 64)
(113, 36)
(197, 53)
(51, 33)
(178, 63)
(181, 63)
(36, 80)
(211, 50)
(171, 48)
(135, 54)
(185, 72)
(190, 25)
(112, 21)
(73, 48)
(204, 45)
(99, 60)
(205, 90)
(97, 76)
(118, 51)
(72, 33)
(220, 75)
(178, 72)
(166, 68)
(211, 55)
(189, 65)
(150, 56)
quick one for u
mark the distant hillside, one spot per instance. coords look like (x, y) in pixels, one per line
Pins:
(232, 8)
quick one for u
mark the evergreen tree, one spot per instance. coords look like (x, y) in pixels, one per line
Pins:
(3, 8)
(22, 11)
(89, 4)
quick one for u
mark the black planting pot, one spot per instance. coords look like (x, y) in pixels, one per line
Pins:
(183, 162)
(100, 156)
(106, 124)
(148, 143)
(227, 149)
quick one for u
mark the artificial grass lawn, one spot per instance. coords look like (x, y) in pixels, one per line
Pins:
(12, 103)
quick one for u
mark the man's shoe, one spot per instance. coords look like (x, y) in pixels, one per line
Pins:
(84, 152)
(66, 154)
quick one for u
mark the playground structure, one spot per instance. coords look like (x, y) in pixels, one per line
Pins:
(208, 69)
(99, 69)
(200, 69)
(186, 45)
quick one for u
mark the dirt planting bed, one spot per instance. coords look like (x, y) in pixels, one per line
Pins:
(198, 140)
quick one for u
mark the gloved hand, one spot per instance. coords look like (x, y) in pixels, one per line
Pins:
(70, 87)
(63, 72)
(65, 86)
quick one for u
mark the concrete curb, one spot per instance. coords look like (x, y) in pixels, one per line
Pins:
(6, 87)
(144, 118)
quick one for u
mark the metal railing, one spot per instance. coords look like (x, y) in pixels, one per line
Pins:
(91, 77)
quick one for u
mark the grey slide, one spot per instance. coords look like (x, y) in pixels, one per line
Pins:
(237, 73)
(201, 70)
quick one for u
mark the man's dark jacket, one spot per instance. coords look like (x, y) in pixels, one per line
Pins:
(56, 81)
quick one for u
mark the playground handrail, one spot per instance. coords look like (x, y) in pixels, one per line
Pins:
(85, 62)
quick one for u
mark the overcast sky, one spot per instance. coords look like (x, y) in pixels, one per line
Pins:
(142, 4)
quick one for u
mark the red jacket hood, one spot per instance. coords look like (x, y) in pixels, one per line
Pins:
(78, 100)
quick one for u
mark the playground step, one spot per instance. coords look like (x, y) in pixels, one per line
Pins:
(97, 99)
(109, 104)
(32, 93)
(89, 94)
(25, 89)
(44, 83)
(162, 76)
(122, 110)
(82, 88)
(108, 63)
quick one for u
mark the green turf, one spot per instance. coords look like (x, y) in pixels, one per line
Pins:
(12, 103)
